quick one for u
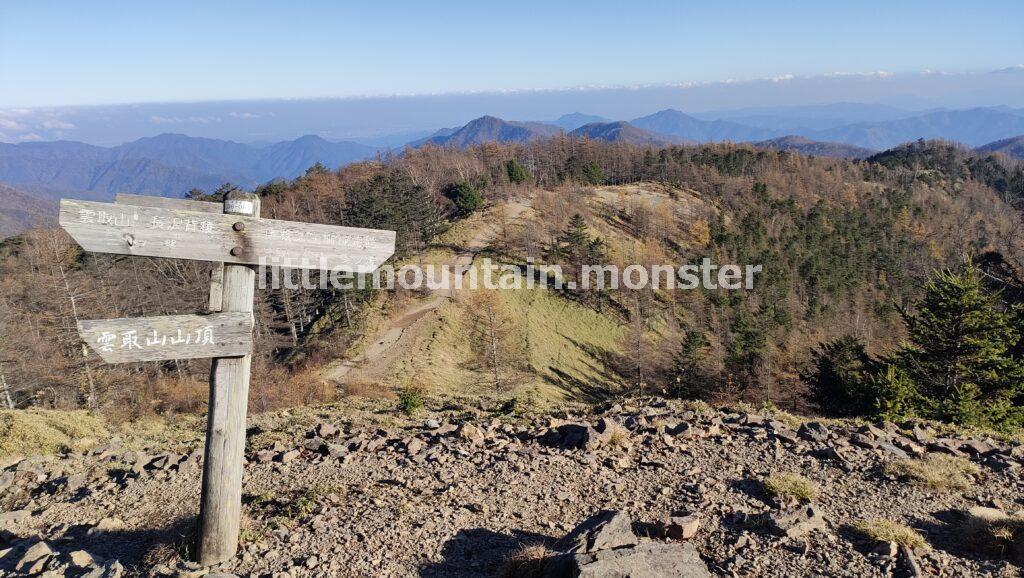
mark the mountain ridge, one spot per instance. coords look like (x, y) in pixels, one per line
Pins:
(168, 164)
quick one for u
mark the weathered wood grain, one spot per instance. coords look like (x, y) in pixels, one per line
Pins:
(164, 232)
(169, 337)
(221, 499)
(217, 273)
(168, 203)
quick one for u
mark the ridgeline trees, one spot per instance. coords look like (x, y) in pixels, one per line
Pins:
(845, 246)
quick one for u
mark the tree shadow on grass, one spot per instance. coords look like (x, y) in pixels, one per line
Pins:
(479, 552)
(604, 386)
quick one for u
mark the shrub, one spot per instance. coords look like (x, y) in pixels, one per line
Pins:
(465, 197)
(935, 472)
(517, 174)
(529, 561)
(838, 378)
(410, 399)
(786, 487)
(888, 531)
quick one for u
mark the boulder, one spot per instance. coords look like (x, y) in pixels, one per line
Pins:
(604, 531)
(864, 441)
(316, 445)
(81, 559)
(112, 569)
(414, 446)
(648, 559)
(34, 559)
(679, 527)
(814, 431)
(471, 433)
(326, 430)
(797, 523)
(106, 525)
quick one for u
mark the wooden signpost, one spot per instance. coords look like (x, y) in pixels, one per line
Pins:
(234, 236)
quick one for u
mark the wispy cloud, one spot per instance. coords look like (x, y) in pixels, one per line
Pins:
(54, 124)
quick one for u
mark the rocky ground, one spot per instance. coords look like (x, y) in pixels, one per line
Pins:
(362, 491)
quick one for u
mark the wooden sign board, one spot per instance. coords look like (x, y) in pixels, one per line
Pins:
(169, 337)
(234, 234)
(174, 233)
(169, 203)
(217, 273)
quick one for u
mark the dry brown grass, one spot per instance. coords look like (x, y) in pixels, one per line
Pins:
(935, 472)
(994, 533)
(529, 561)
(30, 432)
(879, 530)
(788, 486)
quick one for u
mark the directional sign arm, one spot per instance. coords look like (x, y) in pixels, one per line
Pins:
(165, 232)
(169, 337)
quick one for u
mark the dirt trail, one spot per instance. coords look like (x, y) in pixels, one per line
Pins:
(389, 341)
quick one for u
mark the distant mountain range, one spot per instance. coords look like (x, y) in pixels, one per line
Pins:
(172, 164)
(679, 125)
(972, 127)
(164, 165)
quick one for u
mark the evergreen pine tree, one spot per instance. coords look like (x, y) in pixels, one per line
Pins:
(959, 351)
(517, 173)
(688, 380)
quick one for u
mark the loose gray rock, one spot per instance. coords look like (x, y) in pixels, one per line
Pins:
(814, 431)
(646, 560)
(606, 530)
(797, 523)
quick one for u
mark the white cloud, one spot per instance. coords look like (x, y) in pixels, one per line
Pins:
(179, 120)
(8, 124)
(875, 73)
(54, 124)
(244, 115)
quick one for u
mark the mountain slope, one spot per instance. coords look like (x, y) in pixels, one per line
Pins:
(165, 165)
(575, 120)
(1012, 147)
(807, 146)
(19, 211)
(290, 159)
(493, 129)
(622, 132)
(673, 123)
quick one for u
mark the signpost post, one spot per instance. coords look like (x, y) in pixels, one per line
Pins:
(236, 238)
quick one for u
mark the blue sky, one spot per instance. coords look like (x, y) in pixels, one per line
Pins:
(96, 52)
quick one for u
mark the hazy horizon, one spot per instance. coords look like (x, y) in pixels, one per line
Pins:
(388, 121)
